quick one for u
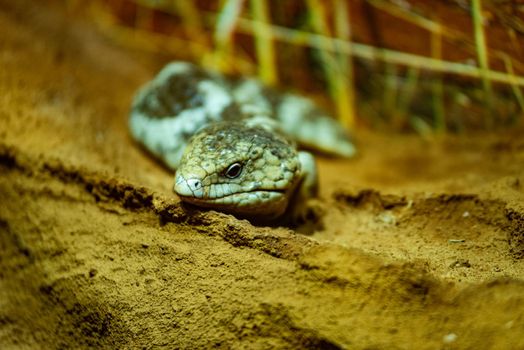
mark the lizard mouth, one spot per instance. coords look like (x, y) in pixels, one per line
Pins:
(191, 189)
(232, 198)
(259, 193)
(257, 202)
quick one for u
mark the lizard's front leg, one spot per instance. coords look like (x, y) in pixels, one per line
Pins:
(307, 188)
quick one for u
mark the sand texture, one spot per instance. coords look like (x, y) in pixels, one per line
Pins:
(418, 244)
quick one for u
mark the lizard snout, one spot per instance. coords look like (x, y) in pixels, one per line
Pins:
(191, 187)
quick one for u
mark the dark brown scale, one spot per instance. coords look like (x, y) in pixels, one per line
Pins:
(228, 134)
(273, 96)
(244, 143)
(176, 94)
(232, 113)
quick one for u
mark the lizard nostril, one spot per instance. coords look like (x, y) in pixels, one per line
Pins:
(191, 187)
(194, 184)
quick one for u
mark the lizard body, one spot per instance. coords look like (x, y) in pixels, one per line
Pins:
(232, 142)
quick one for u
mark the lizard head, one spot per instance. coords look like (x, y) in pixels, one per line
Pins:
(238, 168)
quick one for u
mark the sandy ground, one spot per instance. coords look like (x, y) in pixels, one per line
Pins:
(419, 244)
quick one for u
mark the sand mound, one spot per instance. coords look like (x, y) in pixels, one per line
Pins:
(418, 244)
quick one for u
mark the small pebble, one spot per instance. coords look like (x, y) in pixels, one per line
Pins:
(449, 338)
(387, 218)
(460, 263)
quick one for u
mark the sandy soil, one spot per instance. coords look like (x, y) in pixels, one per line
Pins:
(419, 244)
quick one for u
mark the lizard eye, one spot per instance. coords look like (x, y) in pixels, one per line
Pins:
(233, 171)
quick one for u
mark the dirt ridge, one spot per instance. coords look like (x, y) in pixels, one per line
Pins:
(418, 246)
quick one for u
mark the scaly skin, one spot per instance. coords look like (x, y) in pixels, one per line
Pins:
(270, 170)
(231, 141)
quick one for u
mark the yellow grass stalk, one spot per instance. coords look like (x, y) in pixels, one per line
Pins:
(193, 24)
(265, 52)
(346, 107)
(481, 47)
(188, 13)
(438, 85)
(516, 90)
(409, 16)
(322, 42)
(389, 98)
(515, 42)
(406, 97)
(332, 62)
(223, 36)
(447, 33)
(144, 39)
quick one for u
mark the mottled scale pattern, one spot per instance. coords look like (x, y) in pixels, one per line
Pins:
(265, 182)
(233, 142)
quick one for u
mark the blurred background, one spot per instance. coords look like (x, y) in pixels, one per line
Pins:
(429, 67)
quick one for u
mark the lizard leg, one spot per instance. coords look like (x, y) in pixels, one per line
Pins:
(307, 188)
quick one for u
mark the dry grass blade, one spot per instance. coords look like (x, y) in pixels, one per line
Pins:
(223, 36)
(322, 42)
(209, 38)
(334, 64)
(516, 89)
(263, 43)
(346, 107)
(193, 24)
(142, 38)
(406, 97)
(482, 55)
(438, 85)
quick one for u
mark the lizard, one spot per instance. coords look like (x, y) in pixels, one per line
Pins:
(233, 142)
